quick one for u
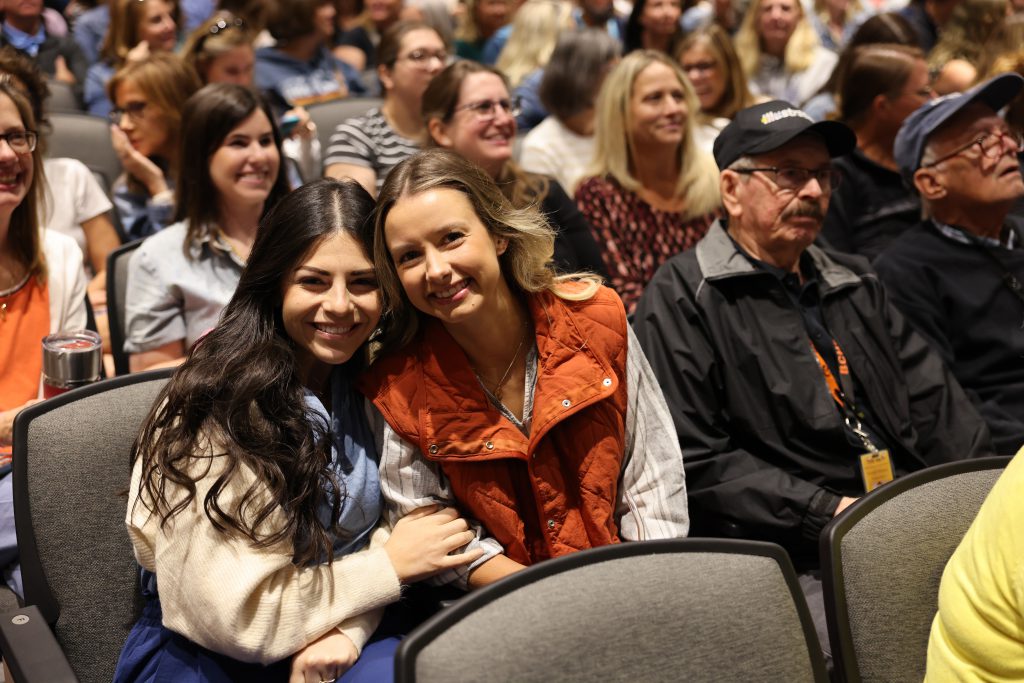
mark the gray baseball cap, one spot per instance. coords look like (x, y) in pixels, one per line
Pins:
(913, 135)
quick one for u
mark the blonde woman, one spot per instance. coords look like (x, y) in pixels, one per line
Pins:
(535, 32)
(137, 29)
(710, 63)
(653, 192)
(490, 361)
(781, 53)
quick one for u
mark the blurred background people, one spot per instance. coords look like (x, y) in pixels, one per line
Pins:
(888, 28)
(357, 45)
(562, 145)
(479, 21)
(652, 193)
(367, 147)
(300, 69)
(653, 25)
(221, 50)
(137, 29)
(535, 31)
(147, 96)
(781, 53)
(871, 207)
(59, 57)
(710, 62)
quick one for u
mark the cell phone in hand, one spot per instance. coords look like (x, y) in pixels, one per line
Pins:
(288, 123)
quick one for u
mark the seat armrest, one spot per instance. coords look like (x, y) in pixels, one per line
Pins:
(31, 650)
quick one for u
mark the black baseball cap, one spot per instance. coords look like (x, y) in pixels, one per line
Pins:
(764, 127)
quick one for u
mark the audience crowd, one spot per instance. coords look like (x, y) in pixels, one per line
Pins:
(565, 273)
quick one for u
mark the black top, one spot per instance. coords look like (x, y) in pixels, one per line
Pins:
(869, 209)
(359, 37)
(575, 246)
(955, 295)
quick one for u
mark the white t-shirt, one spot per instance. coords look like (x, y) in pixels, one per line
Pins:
(554, 150)
(71, 196)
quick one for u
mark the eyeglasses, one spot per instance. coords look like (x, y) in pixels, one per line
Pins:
(486, 110)
(794, 178)
(993, 145)
(700, 67)
(20, 141)
(136, 111)
(421, 58)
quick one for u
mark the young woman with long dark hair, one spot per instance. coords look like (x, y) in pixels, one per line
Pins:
(255, 499)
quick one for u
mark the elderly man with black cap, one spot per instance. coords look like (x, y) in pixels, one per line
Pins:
(794, 385)
(958, 274)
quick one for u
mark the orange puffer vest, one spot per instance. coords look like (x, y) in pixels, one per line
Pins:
(541, 496)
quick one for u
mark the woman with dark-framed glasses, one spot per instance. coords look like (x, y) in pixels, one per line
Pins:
(366, 147)
(652, 193)
(144, 127)
(42, 290)
(468, 109)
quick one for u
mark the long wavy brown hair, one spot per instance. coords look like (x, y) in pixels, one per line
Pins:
(240, 391)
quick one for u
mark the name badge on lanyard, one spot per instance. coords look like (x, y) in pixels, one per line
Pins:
(875, 463)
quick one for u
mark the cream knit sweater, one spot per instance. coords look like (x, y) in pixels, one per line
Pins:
(252, 604)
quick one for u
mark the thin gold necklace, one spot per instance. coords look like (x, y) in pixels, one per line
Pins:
(508, 370)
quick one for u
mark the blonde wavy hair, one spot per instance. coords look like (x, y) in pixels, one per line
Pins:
(800, 49)
(535, 31)
(525, 263)
(613, 143)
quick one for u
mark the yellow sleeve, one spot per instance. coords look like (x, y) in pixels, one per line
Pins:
(978, 633)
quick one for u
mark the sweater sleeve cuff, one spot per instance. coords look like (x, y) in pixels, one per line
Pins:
(819, 513)
(359, 628)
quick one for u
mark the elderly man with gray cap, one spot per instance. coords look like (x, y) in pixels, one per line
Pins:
(794, 385)
(958, 274)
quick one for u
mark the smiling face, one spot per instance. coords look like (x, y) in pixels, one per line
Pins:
(157, 27)
(705, 73)
(144, 124)
(243, 169)
(484, 140)
(445, 258)
(657, 107)
(330, 304)
(234, 66)
(16, 169)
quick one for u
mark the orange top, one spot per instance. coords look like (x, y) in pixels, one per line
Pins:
(24, 321)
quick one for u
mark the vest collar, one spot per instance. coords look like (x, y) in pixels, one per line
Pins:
(570, 376)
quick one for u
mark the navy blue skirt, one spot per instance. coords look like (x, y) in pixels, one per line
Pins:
(155, 654)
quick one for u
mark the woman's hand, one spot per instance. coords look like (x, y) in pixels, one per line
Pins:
(138, 53)
(7, 422)
(305, 128)
(421, 541)
(325, 659)
(137, 164)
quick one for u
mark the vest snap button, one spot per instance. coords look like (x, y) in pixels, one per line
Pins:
(551, 524)
(566, 403)
(489, 445)
(607, 381)
(433, 449)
